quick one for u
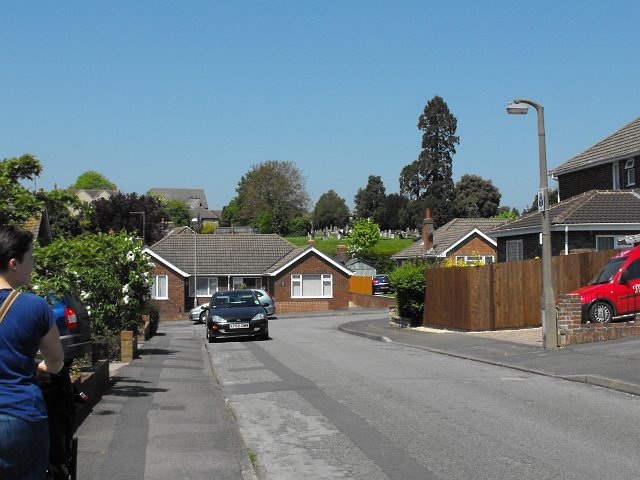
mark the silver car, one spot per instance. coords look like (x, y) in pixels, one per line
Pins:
(197, 314)
(266, 299)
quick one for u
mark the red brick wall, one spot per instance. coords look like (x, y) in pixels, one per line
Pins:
(371, 301)
(174, 307)
(572, 330)
(474, 246)
(311, 264)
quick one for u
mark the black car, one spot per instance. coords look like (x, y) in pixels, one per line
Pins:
(73, 324)
(381, 284)
(236, 313)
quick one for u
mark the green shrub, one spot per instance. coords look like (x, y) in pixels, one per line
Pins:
(109, 273)
(408, 281)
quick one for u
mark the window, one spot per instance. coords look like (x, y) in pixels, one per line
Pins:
(475, 259)
(514, 250)
(631, 172)
(312, 286)
(160, 289)
(207, 286)
(608, 242)
(615, 176)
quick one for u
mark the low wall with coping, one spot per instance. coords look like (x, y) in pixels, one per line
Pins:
(572, 331)
(370, 301)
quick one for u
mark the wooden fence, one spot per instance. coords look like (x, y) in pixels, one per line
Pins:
(359, 284)
(501, 295)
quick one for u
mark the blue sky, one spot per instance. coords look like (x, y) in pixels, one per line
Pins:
(192, 94)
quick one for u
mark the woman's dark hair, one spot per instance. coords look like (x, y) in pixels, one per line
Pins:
(14, 243)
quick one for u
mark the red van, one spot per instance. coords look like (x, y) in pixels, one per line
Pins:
(615, 292)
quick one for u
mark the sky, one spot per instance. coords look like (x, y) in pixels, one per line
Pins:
(192, 94)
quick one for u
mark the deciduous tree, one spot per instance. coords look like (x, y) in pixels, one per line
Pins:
(276, 188)
(330, 210)
(116, 214)
(476, 197)
(17, 203)
(93, 180)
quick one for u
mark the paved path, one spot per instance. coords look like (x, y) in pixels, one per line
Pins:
(163, 418)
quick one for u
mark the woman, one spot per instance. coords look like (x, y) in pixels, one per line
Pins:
(28, 325)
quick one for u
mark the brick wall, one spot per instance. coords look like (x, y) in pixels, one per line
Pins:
(572, 330)
(371, 301)
(311, 264)
(595, 178)
(174, 307)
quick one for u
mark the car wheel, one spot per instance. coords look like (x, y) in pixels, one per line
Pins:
(601, 312)
(265, 335)
(202, 317)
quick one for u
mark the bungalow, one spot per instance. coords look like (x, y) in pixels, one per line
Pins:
(464, 239)
(300, 278)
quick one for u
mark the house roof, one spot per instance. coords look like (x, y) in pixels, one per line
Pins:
(184, 194)
(592, 210)
(451, 234)
(92, 194)
(225, 254)
(624, 143)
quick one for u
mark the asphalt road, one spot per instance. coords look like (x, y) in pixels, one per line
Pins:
(316, 403)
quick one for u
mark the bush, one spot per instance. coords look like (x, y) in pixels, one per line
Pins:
(408, 281)
(109, 273)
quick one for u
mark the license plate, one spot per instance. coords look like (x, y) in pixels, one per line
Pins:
(238, 325)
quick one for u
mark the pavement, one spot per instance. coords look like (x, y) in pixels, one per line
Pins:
(164, 416)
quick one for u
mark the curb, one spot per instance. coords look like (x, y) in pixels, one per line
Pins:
(595, 380)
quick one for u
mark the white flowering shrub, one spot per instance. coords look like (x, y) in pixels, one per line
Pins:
(108, 272)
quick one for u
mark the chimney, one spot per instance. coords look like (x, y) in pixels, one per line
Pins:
(427, 231)
(341, 253)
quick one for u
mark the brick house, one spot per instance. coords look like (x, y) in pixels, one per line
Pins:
(300, 278)
(594, 220)
(599, 202)
(611, 164)
(464, 239)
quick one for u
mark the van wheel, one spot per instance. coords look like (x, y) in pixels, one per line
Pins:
(600, 312)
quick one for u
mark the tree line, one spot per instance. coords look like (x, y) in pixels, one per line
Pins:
(272, 195)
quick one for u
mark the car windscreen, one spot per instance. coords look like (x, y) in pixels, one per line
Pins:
(230, 301)
(609, 270)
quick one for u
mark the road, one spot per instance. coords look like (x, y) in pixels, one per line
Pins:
(316, 403)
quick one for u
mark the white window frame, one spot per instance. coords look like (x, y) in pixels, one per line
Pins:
(615, 174)
(472, 259)
(208, 290)
(298, 282)
(631, 172)
(519, 250)
(158, 280)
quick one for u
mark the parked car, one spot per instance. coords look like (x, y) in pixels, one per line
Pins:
(73, 324)
(381, 284)
(615, 291)
(234, 313)
(197, 314)
(266, 299)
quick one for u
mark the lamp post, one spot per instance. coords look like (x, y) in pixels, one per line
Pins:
(548, 313)
(195, 223)
(143, 223)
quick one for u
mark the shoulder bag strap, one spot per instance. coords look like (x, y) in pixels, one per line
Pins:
(6, 305)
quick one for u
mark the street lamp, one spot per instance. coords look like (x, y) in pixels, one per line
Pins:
(548, 313)
(143, 223)
(195, 223)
